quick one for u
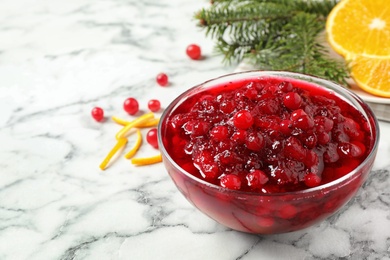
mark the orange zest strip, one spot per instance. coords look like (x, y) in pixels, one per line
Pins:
(140, 120)
(150, 123)
(147, 160)
(120, 121)
(136, 146)
(119, 144)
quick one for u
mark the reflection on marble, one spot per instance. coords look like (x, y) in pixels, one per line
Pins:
(58, 59)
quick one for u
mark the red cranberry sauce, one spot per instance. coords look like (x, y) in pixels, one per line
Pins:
(267, 135)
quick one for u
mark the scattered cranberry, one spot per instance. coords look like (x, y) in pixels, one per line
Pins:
(151, 137)
(243, 119)
(194, 52)
(231, 181)
(162, 79)
(154, 105)
(131, 106)
(97, 114)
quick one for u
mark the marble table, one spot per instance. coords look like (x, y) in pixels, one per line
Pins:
(59, 59)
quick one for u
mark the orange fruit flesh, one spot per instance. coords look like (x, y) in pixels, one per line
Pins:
(360, 27)
(372, 75)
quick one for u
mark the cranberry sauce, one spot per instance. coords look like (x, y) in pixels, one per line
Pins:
(267, 135)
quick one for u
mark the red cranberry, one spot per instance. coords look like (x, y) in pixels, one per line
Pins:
(323, 123)
(227, 106)
(293, 149)
(285, 86)
(231, 181)
(254, 141)
(97, 114)
(154, 105)
(251, 92)
(219, 133)
(131, 106)
(162, 79)
(239, 136)
(256, 179)
(194, 52)
(243, 119)
(292, 100)
(151, 137)
(323, 138)
(302, 120)
(312, 180)
(196, 128)
(204, 161)
(286, 127)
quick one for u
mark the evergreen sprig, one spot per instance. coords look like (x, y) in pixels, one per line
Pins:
(273, 34)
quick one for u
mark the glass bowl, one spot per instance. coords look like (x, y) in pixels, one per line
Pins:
(269, 213)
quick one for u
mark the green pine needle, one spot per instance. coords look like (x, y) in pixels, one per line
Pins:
(273, 34)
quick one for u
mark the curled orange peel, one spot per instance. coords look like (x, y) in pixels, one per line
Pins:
(150, 123)
(139, 121)
(136, 146)
(119, 144)
(147, 160)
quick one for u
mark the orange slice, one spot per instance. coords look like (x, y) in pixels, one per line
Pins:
(360, 27)
(372, 74)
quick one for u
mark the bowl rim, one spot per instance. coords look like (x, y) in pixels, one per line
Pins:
(367, 112)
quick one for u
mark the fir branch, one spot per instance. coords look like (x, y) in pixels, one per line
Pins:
(273, 34)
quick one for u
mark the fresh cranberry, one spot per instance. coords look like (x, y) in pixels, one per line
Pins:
(243, 119)
(162, 79)
(194, 52)
(131, 106)
(97, 114)
(231, 181)
(154, 105)
(151, 137)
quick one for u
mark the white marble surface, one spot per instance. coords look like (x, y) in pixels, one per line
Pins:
(58, 59)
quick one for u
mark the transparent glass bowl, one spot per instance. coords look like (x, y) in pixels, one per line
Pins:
(278, 212)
